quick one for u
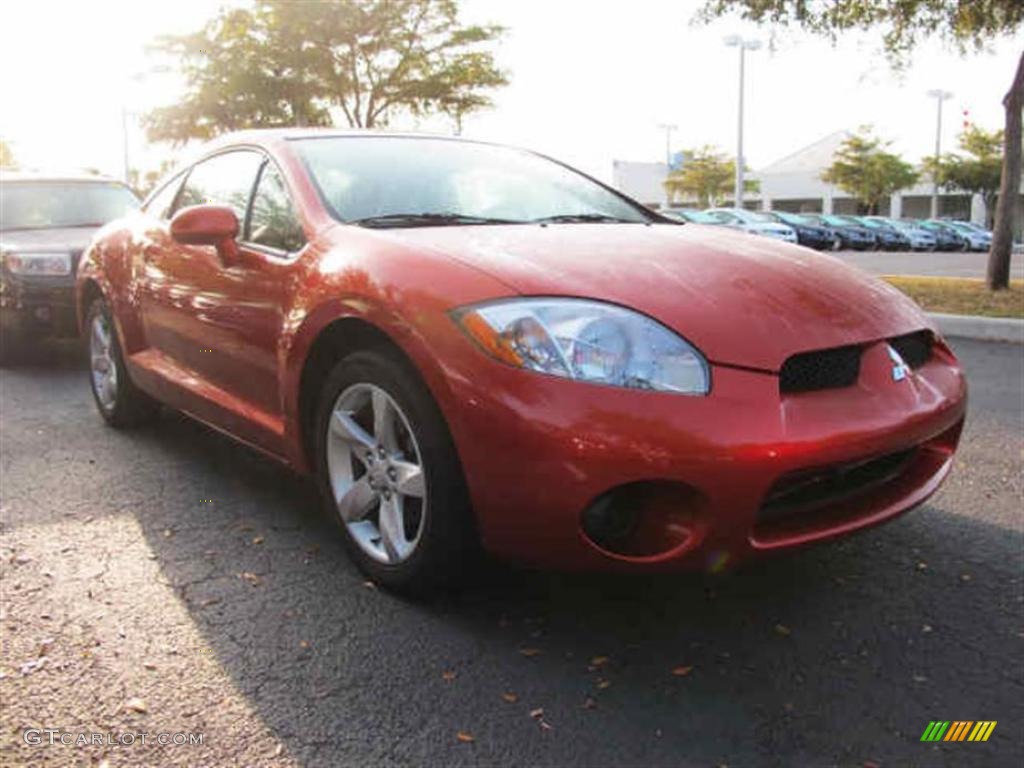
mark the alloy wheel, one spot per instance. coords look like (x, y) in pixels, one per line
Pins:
(102, 365)
(376, 473)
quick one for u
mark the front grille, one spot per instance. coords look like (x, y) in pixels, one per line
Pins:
(824, 369)
(914, 348)
(819, 488)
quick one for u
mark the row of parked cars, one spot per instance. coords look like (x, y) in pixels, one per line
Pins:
(823, 231)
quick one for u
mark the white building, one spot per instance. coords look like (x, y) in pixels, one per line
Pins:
(641, 181)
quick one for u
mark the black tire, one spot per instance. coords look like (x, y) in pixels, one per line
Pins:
(131, 406)
(447, 548)
(12, 347)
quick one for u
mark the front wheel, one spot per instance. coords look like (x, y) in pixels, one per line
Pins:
(389, 474)
(119, 401)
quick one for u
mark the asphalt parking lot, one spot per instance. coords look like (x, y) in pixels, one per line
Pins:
(168, 580)
(931, 264)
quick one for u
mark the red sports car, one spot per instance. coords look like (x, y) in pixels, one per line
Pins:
(471, 344)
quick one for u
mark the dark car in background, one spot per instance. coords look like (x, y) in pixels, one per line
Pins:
(946, 237)
(979, 238)
(808, 232)
(851, 236)
(889, 238)
(46, 222)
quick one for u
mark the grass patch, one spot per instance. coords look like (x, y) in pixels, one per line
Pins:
(961, 295)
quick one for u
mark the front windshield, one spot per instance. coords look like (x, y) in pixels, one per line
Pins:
(807, 220)
(368, 177)
(699, 217)
(836, 221)
(50, 204)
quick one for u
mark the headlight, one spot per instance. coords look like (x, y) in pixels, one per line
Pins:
(38, 263)
(587, 341)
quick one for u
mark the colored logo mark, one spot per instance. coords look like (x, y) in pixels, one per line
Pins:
(899, 368)
(958, 730)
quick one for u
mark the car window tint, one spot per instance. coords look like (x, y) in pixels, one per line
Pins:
(273, 222)
(225, 179)
(161, 202)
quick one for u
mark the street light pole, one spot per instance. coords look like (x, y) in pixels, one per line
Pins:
(939, 96)
(668, 128)
(744, 46)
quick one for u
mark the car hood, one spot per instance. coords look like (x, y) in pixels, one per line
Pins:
(743, 300)
(57, 239)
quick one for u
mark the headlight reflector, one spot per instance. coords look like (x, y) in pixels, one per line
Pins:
(587, 341)
(58, 263)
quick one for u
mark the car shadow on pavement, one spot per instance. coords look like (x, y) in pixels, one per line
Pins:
(837, 654)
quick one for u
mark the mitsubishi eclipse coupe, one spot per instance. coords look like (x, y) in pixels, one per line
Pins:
(467, 344)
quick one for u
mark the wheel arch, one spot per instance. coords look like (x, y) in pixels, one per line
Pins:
(336, 339)
(89, 290)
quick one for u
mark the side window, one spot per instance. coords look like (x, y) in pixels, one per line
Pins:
(160, 204)
(225, 179)
(273, 222)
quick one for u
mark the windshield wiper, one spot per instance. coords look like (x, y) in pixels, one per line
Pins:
(426, 220)
(582, 218)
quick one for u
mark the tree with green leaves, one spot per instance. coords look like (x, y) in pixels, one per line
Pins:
(7, 156)
(863, 169)
(706, 175)
(904, 24)
(282, 63)
(978, 170)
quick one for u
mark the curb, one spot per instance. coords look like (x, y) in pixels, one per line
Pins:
(981, 328)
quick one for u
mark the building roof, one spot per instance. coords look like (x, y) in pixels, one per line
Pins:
(811, 159)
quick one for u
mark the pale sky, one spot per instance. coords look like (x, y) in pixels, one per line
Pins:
(590, 83)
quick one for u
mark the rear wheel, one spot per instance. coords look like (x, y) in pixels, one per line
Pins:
(389, 475)
(119, 401)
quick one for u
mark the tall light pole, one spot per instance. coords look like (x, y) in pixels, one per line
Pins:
(940, 96)
(735, 41)
(668, 128)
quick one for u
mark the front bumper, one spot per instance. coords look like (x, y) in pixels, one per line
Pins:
(539, 451)
(38, 306)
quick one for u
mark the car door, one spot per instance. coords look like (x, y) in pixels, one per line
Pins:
(216, 324)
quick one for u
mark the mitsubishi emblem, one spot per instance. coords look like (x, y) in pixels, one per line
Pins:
(899, 368)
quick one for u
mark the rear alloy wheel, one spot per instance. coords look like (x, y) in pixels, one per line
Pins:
(389, 474)
(120, 402)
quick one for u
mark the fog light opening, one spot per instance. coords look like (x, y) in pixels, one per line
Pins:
(644, 520)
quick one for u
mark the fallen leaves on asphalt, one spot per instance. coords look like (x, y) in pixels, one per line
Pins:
(783, 630)
(682, 671)
(448, 675)
(33, 666)
(589, 703)
(252, 578)
(530, 652)
(510, 697)
(465, 738)
(136, 704)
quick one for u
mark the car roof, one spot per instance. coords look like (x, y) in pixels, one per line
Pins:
(267, 137)
(73, 177)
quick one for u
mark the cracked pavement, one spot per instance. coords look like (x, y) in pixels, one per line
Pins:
(169, 580)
